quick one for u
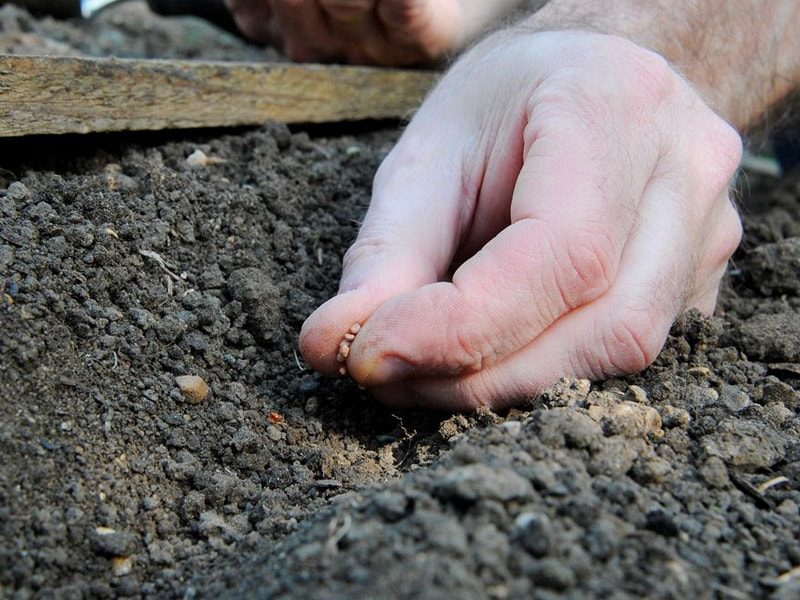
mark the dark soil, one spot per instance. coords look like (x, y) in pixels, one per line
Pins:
(122, 267)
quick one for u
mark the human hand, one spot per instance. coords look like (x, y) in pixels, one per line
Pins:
(381, 32)
(583, 183)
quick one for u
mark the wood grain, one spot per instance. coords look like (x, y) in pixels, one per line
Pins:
(54, 95)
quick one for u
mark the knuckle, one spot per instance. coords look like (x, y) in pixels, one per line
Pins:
(729, 149)
(401, 162)
(384, 171)
(654, 79)
(730, 235)
(633, 339)
(722, 147)
(587, 267)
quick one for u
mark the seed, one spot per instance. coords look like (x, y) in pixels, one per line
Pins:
(349, 337)
(342, 371)
(340, 358)
(355, 328)
(344, 349)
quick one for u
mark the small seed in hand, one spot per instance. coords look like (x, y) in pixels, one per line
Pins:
(344, 347)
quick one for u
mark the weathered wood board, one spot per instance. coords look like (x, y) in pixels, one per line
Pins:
(54, 95)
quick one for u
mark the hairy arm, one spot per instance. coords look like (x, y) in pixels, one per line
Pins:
(743, 56)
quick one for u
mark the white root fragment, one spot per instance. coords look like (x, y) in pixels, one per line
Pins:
(764, 486)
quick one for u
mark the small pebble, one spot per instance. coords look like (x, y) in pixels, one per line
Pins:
(193, 388)
(637, 394)
(109, 542)
(788, 507)
(17, 191)
(121, 566)
(198, 159)
(513, 428)
(704, 372)
(312, 405)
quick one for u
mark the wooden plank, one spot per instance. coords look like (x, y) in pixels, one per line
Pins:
(54, 95)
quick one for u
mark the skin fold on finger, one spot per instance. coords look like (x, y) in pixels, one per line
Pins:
(618, 333)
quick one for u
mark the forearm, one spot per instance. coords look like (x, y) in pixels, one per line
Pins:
(742, 55)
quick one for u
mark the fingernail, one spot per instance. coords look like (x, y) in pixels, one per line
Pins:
(389, 370)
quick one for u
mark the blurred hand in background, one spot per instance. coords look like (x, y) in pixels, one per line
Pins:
(379, 32)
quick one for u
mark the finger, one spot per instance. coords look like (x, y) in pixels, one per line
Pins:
(304, 31)
(705, 298)
(560, 257)
(432, 27)
(721, 242)
(408, 238)
(349, 17)
(354, 24)
(620, 332)
(253, 18)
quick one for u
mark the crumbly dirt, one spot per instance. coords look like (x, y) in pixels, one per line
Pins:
(123, 266)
